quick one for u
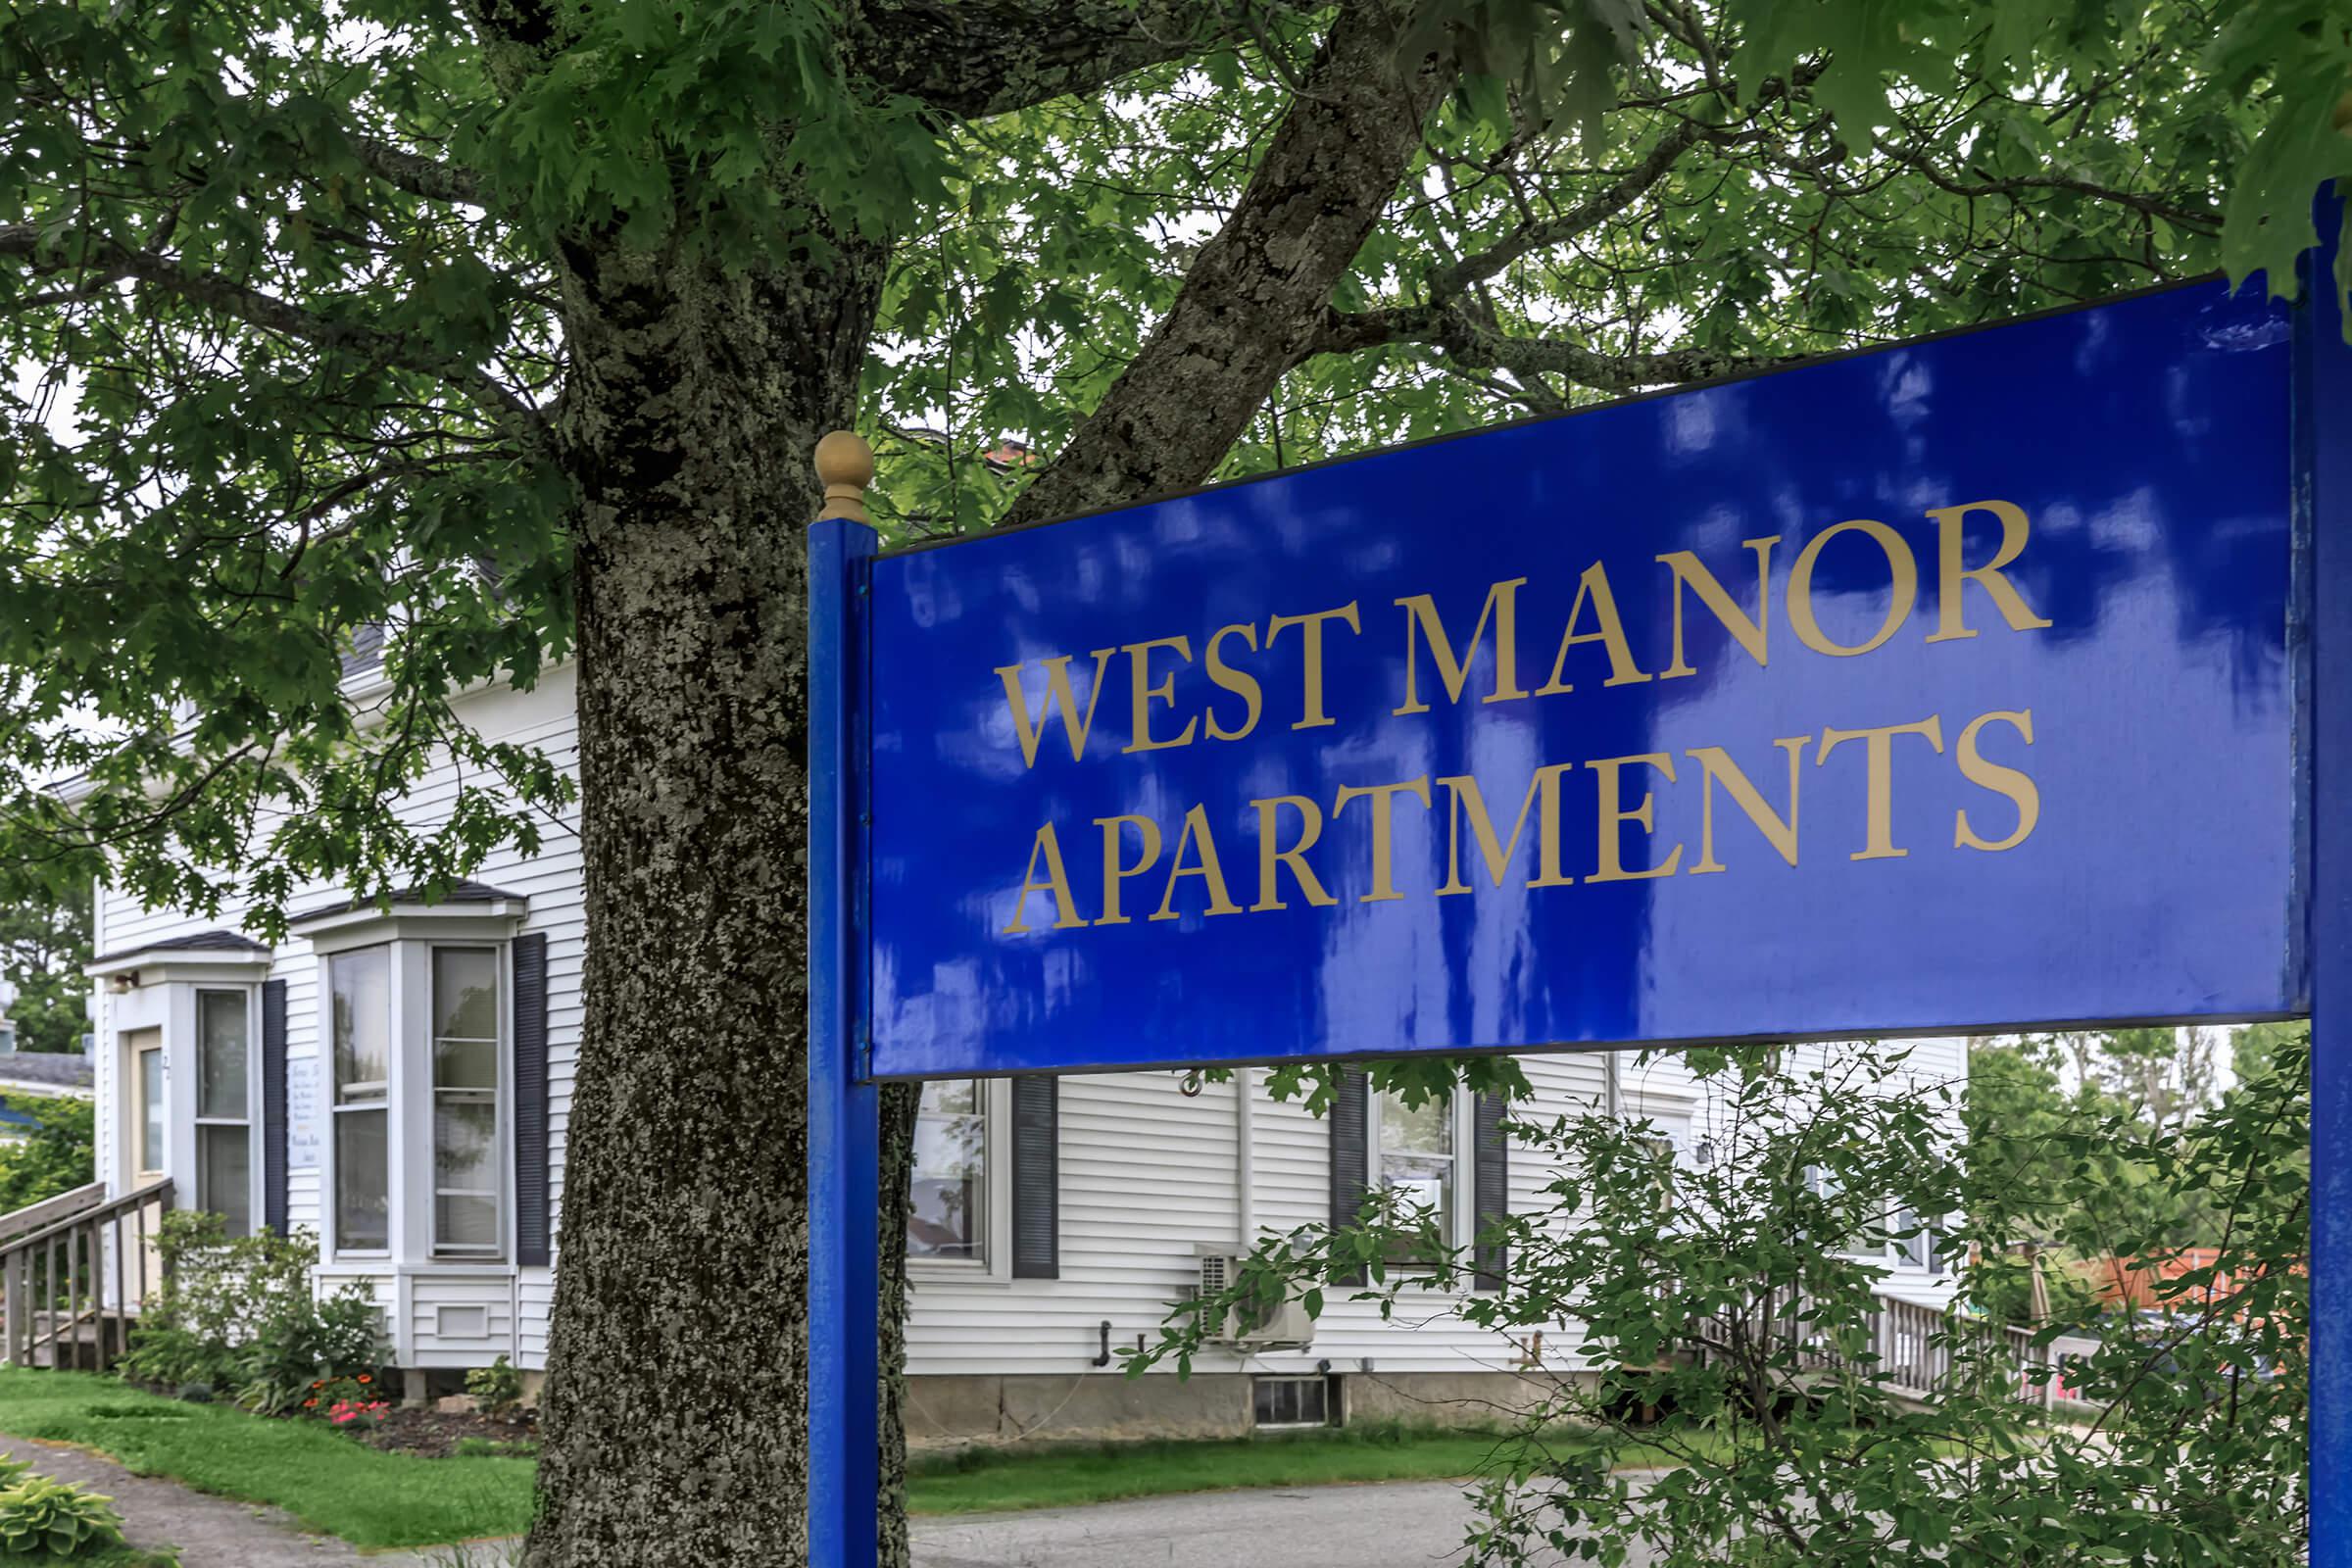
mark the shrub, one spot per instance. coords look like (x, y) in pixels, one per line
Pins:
(56, 1159)
(42, 1517)
(497, 1389)
(243, 1314)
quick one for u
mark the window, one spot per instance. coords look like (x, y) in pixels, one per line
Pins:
(151, 1104)
(223, 1108)
(1413, 1157)
(1302, 1402)
(467, 1192)
(949, 1217)
(360, 984)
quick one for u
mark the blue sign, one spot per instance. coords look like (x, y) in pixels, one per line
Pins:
(1943, 687)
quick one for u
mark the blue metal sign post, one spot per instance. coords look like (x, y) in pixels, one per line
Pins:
(2324, 498)
(1995, 681)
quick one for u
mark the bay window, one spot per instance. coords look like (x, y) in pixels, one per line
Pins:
(421, 1075)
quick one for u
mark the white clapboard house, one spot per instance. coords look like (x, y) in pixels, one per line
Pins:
(397, 1081)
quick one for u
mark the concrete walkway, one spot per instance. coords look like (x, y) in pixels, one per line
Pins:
(210, 1532)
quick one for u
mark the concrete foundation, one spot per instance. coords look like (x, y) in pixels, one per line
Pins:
(1101, 1406)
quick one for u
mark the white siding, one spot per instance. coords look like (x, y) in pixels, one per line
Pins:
(1148, 1174)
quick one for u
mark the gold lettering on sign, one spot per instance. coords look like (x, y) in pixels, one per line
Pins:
(1903, 568)
(1614, 816)
(1384, 840)
(2020, 790)
(1271, 856)
(1594, 588)
(1139, 664)
(1688, 572)
(1196, 836)
(1059, 698)
(1879, 753)
(1310, 700)
(1951, 622)
(1716, 767)
(1465, 802)
(1058, 882)
(1114, 871)
(1240, 682)
(1501, 607)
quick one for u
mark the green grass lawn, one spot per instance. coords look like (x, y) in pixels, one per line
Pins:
(317, 1473)
(373, 1498)
(989, 1480)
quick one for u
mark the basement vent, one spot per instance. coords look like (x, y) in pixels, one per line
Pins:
(462, 1322)
(1294, 1401)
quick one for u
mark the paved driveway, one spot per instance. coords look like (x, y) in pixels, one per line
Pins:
(1415, 1523)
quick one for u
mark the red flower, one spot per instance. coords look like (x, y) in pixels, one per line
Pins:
(365, 1378)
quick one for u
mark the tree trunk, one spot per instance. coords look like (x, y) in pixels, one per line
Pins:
(675, 1421)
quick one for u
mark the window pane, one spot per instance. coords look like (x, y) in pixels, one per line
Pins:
(362, 1003)
(465, 993)
(1423, 1129)
(224, 1175)
(466, 1224)
(220, 1054)
(362, 1208)
(1416, 1163)
(465, 1064)
(151, 1096)
(950, 1177)
(466, 1145)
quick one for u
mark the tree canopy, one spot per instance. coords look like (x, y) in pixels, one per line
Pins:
(364, 352)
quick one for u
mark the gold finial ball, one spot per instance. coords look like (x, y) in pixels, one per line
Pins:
(843, 459)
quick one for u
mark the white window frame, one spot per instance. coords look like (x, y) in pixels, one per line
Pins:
(995, 1264)
(330, 1194)
(1461, 1191)
(502, 1136)
(254, 1159)
(412, 932)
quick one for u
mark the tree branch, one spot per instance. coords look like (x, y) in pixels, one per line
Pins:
(98, 260)
(975, 57)
(1582, 218)
(1258, 292)
(1470, 343)
(417, 173)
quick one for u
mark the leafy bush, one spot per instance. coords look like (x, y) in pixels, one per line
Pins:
(56, 1157)
(1730, 1307)
(42, 1517)
(497, 1389)
(243, 1314)
(10, 1469)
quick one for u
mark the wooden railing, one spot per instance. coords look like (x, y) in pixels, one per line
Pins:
(1916, 1353)
(73, 1272)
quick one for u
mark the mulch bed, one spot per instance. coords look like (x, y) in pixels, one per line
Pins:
(435, 1433)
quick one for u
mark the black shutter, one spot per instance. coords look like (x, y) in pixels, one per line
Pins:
(274, 1204)
(1491, 1182)
(1036, 1177)
(531, 1248)
(1351, 1152)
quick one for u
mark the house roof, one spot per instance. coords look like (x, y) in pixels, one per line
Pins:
(196, 941)
(458, 892)
(58, 1069)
